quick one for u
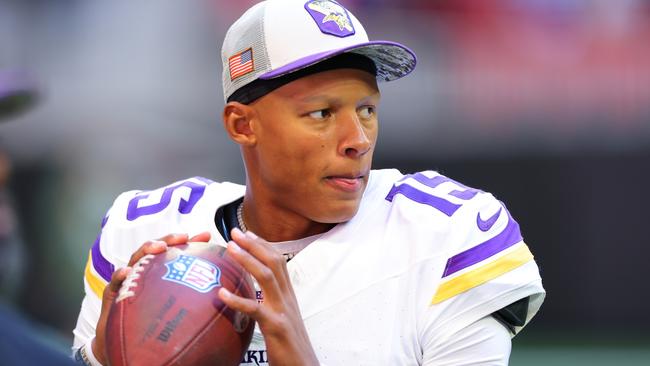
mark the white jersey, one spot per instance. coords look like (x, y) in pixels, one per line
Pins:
(423, 258)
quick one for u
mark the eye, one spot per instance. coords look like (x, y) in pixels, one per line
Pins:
(367, 112)
(320, 114)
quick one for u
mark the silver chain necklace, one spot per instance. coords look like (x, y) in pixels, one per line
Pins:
(240, 218)
(242, 226)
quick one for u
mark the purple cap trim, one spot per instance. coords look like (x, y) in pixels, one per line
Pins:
(102, 266)
(505, 239)
(393, 60)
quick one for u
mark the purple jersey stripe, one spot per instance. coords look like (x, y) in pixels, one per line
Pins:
(505, 239)
(104, 221)
(102, 266)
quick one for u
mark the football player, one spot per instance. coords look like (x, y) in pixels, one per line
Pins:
(354, 266)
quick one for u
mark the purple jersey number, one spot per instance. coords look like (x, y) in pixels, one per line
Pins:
(445, 206)
(184, 207)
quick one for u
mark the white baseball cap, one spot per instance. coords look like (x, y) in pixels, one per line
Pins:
(278, 37)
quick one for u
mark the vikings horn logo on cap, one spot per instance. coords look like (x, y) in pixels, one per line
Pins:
(330, 17)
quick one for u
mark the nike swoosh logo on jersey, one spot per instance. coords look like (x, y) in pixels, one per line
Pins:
(485, 225)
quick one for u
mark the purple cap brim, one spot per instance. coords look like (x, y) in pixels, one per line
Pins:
(393, 60)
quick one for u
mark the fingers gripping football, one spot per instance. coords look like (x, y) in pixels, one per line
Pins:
(278, 316)
(160, 245)
(112, 289)
(109, 296)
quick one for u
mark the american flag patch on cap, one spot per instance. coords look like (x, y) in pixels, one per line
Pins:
(241, 64)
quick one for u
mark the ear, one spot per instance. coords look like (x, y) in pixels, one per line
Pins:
(238, 122)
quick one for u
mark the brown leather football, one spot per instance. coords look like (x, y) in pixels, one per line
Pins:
(168, 311)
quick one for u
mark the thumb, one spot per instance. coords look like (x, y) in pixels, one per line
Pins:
(108, 297)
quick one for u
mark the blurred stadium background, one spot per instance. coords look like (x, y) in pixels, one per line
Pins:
(545, 103)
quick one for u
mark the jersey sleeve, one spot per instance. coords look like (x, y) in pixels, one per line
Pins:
(488, 267)
(484, 342)
(134, 218)
(97, 274)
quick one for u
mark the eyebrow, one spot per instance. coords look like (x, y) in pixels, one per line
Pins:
(328, 99)
(315, 99)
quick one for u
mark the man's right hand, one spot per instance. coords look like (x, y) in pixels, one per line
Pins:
(112, 289)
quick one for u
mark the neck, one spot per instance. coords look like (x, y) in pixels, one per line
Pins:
(276, 225)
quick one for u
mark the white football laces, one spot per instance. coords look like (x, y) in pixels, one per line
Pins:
(130, 282)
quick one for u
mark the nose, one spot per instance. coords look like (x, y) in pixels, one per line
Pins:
(356, 138)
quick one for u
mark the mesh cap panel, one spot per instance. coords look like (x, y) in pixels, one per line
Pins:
(247, 32)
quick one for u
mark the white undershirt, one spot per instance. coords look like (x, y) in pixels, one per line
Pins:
(290, 248)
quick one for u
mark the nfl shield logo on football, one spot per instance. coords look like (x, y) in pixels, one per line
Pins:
(193, 272)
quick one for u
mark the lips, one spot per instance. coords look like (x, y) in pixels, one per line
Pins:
(347, 182)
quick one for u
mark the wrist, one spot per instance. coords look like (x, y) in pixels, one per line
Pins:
(87, 354)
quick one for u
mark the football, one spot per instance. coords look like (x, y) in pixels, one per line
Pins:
(168, 312)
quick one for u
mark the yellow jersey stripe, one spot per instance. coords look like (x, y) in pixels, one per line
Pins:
(96, 283)
(482, 274)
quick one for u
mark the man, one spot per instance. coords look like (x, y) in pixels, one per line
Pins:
(354, 266)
